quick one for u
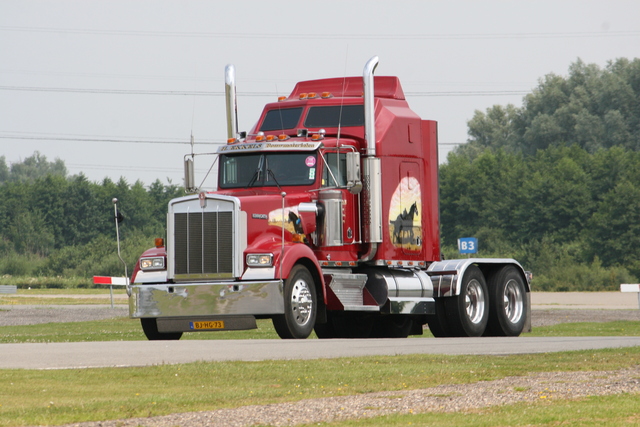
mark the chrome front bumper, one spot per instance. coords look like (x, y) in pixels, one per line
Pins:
(206, 299)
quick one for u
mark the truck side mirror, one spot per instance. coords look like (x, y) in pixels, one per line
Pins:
(354, 183)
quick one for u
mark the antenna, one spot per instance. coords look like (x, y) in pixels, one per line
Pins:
(344, 81)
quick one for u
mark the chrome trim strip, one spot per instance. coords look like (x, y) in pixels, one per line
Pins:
(151, 276)
(412, 305)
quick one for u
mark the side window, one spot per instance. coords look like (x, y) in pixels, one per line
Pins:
(230, 172)
(334, 173)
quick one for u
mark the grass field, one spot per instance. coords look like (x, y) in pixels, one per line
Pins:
(125, 329)
(54, 397)
(50, 397)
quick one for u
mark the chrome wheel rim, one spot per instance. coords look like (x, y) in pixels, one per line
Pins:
(474, 302)
(513, 301)
(301, 302)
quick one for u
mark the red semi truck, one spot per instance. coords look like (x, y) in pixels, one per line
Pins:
(326, 217)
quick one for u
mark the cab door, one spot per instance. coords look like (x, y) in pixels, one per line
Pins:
(334, 187)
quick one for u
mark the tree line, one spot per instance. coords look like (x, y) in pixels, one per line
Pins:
(52, 224)
(555, 183)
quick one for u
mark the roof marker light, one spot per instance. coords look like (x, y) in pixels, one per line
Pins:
(303, 96)
(281, 98)
(312, 95)
(270, 138)
(283, 137)
(326, 95)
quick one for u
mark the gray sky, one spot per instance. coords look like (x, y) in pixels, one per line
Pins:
(116, 88)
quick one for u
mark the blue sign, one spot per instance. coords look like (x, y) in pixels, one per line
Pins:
(468, 245)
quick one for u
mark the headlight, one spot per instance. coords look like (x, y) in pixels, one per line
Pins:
(152, 263)
(259, 260)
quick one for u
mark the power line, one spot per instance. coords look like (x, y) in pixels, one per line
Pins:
(253, 94)
(78, 138)
(116, 140)
(329, 36)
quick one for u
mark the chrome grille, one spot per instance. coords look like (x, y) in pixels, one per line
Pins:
(203, 244)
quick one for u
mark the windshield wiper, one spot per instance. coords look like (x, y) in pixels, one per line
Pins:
(256, 175)
(270, 172)
(254, 178)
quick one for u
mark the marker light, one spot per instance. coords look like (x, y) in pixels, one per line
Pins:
(326, 95)
(270, 138)
(281, 98)
(303, 96)
(283, 137)
(312, 95)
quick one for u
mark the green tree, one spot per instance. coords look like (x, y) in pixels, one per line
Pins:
(494, 129)
(4, 170)
(613, 232)
(592, 107)
(36, 166)
(556, 197)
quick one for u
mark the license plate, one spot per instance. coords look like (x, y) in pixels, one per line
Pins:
(209, 324)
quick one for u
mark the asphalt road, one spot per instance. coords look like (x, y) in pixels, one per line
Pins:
(145, 353)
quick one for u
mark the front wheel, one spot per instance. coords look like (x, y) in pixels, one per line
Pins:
(300, 305)
(468, 313)
(150, 329)
(507, 299)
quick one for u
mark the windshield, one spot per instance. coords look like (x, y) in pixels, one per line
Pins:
(270, 169)
(333, 116)
(280, 119)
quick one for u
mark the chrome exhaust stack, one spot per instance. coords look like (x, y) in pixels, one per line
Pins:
(372, 170)
(369, 107)
(232, 105)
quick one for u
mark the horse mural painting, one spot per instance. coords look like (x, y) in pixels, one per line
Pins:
(403, 225)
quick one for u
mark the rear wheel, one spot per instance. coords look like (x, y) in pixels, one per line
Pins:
(507, 300)
(438, 321)
(300, 305)
(150, 329)
(468, 313)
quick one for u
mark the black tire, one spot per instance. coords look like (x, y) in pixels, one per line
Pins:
(325, 330)
(438, 322)
(392, 326)
(468, 313)
(300, 305)
(345, 325)
(352, 324)
(150, 329)
(507, 299)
